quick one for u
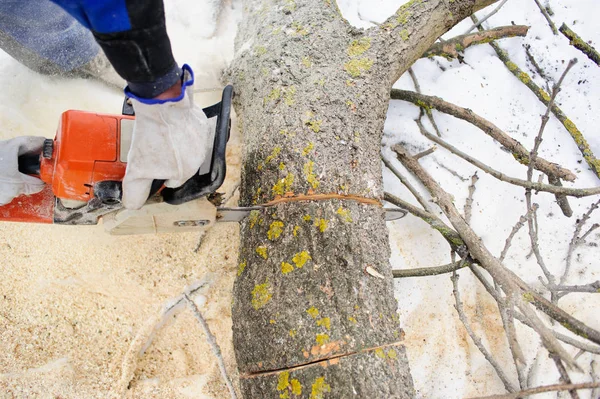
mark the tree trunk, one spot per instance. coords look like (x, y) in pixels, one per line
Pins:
(314, 315)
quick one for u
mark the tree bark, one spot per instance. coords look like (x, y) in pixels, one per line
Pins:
(314, 315)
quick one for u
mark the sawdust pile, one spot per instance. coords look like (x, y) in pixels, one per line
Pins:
(77, 307)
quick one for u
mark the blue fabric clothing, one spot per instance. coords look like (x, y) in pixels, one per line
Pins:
(44, 28)
(132, 34)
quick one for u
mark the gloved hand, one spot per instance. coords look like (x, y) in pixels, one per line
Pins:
(12, 182)
(171, 139)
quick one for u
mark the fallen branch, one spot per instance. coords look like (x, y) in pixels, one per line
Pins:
(547, 388)
(544, 97)
(575, 239)
(452, 48)
(478, 23)
(476, 340)
(469, 201)
(413, 76)
(580, 44)
(429, 151)
(533, 233)
(519, 152)
(574, 192)
(407, 184)
(564, 376)
(561, 200)
(547, 16)
(436, 223)
(429, 271)
(510, 283)
(210, 338)
(513, 232)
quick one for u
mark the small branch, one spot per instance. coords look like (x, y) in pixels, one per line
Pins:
(413, 76)
(407, 184)
(594, 374)
(429, 271)
(547, 16)
(469, 201)
(476, 340)
(564, 376)
(587, 233)
(575, 239)
(561, 200)
(520, 153)
(514, 231)
(547, 388)
(426, 152)
(452, 48)
(436, 223)
(577, 136)
(592, 288)
(533, 233)
(575, 192)
(535, 64)
(580, 44)
(210, 338)
(494, 11)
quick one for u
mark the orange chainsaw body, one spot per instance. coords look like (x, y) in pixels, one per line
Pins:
(86, 150)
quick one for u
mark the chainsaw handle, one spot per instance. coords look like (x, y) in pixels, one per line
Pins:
(110, 192)
(29, 164)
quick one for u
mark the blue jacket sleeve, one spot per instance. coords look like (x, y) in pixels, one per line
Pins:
(134, 38)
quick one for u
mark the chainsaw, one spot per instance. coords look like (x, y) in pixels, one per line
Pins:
(84, 165)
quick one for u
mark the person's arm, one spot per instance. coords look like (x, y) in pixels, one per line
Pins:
(133, 35)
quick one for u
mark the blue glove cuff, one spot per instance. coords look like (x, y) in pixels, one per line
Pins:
(162, 84)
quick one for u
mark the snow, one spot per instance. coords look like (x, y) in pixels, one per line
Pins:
(443, 359)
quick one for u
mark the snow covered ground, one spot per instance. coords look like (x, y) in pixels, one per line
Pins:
(53, 279)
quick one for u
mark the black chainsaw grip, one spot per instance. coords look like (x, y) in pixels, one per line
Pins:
(200, 185)
(29, 164)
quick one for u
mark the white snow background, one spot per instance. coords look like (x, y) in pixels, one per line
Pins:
(444, 362)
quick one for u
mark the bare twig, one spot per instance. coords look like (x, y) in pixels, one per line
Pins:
(508, 322)
(413, 76)
(520, 153)
(476, 340)
(407, 184)
(575, 239)
(580, 44)
(547, 388)
(535, 64)
(435, 222)
(575, 192)
(564, 376)
(547, 16)
(561, 200)
(210, 338)
(469, 201)
(428, 271)
(513, 232)
(594, 374)
(592, 288)
(533, 234)
(426, 152)
(587, 233)
(575, 133)
(452, 48)
(478, 23)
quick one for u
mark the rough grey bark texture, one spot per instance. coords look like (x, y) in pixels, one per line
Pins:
(314, 314)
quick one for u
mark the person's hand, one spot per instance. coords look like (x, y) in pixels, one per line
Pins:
(12, 182)
(171, 139)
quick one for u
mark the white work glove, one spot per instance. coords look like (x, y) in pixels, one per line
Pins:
(171, 139)
(12, 182)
